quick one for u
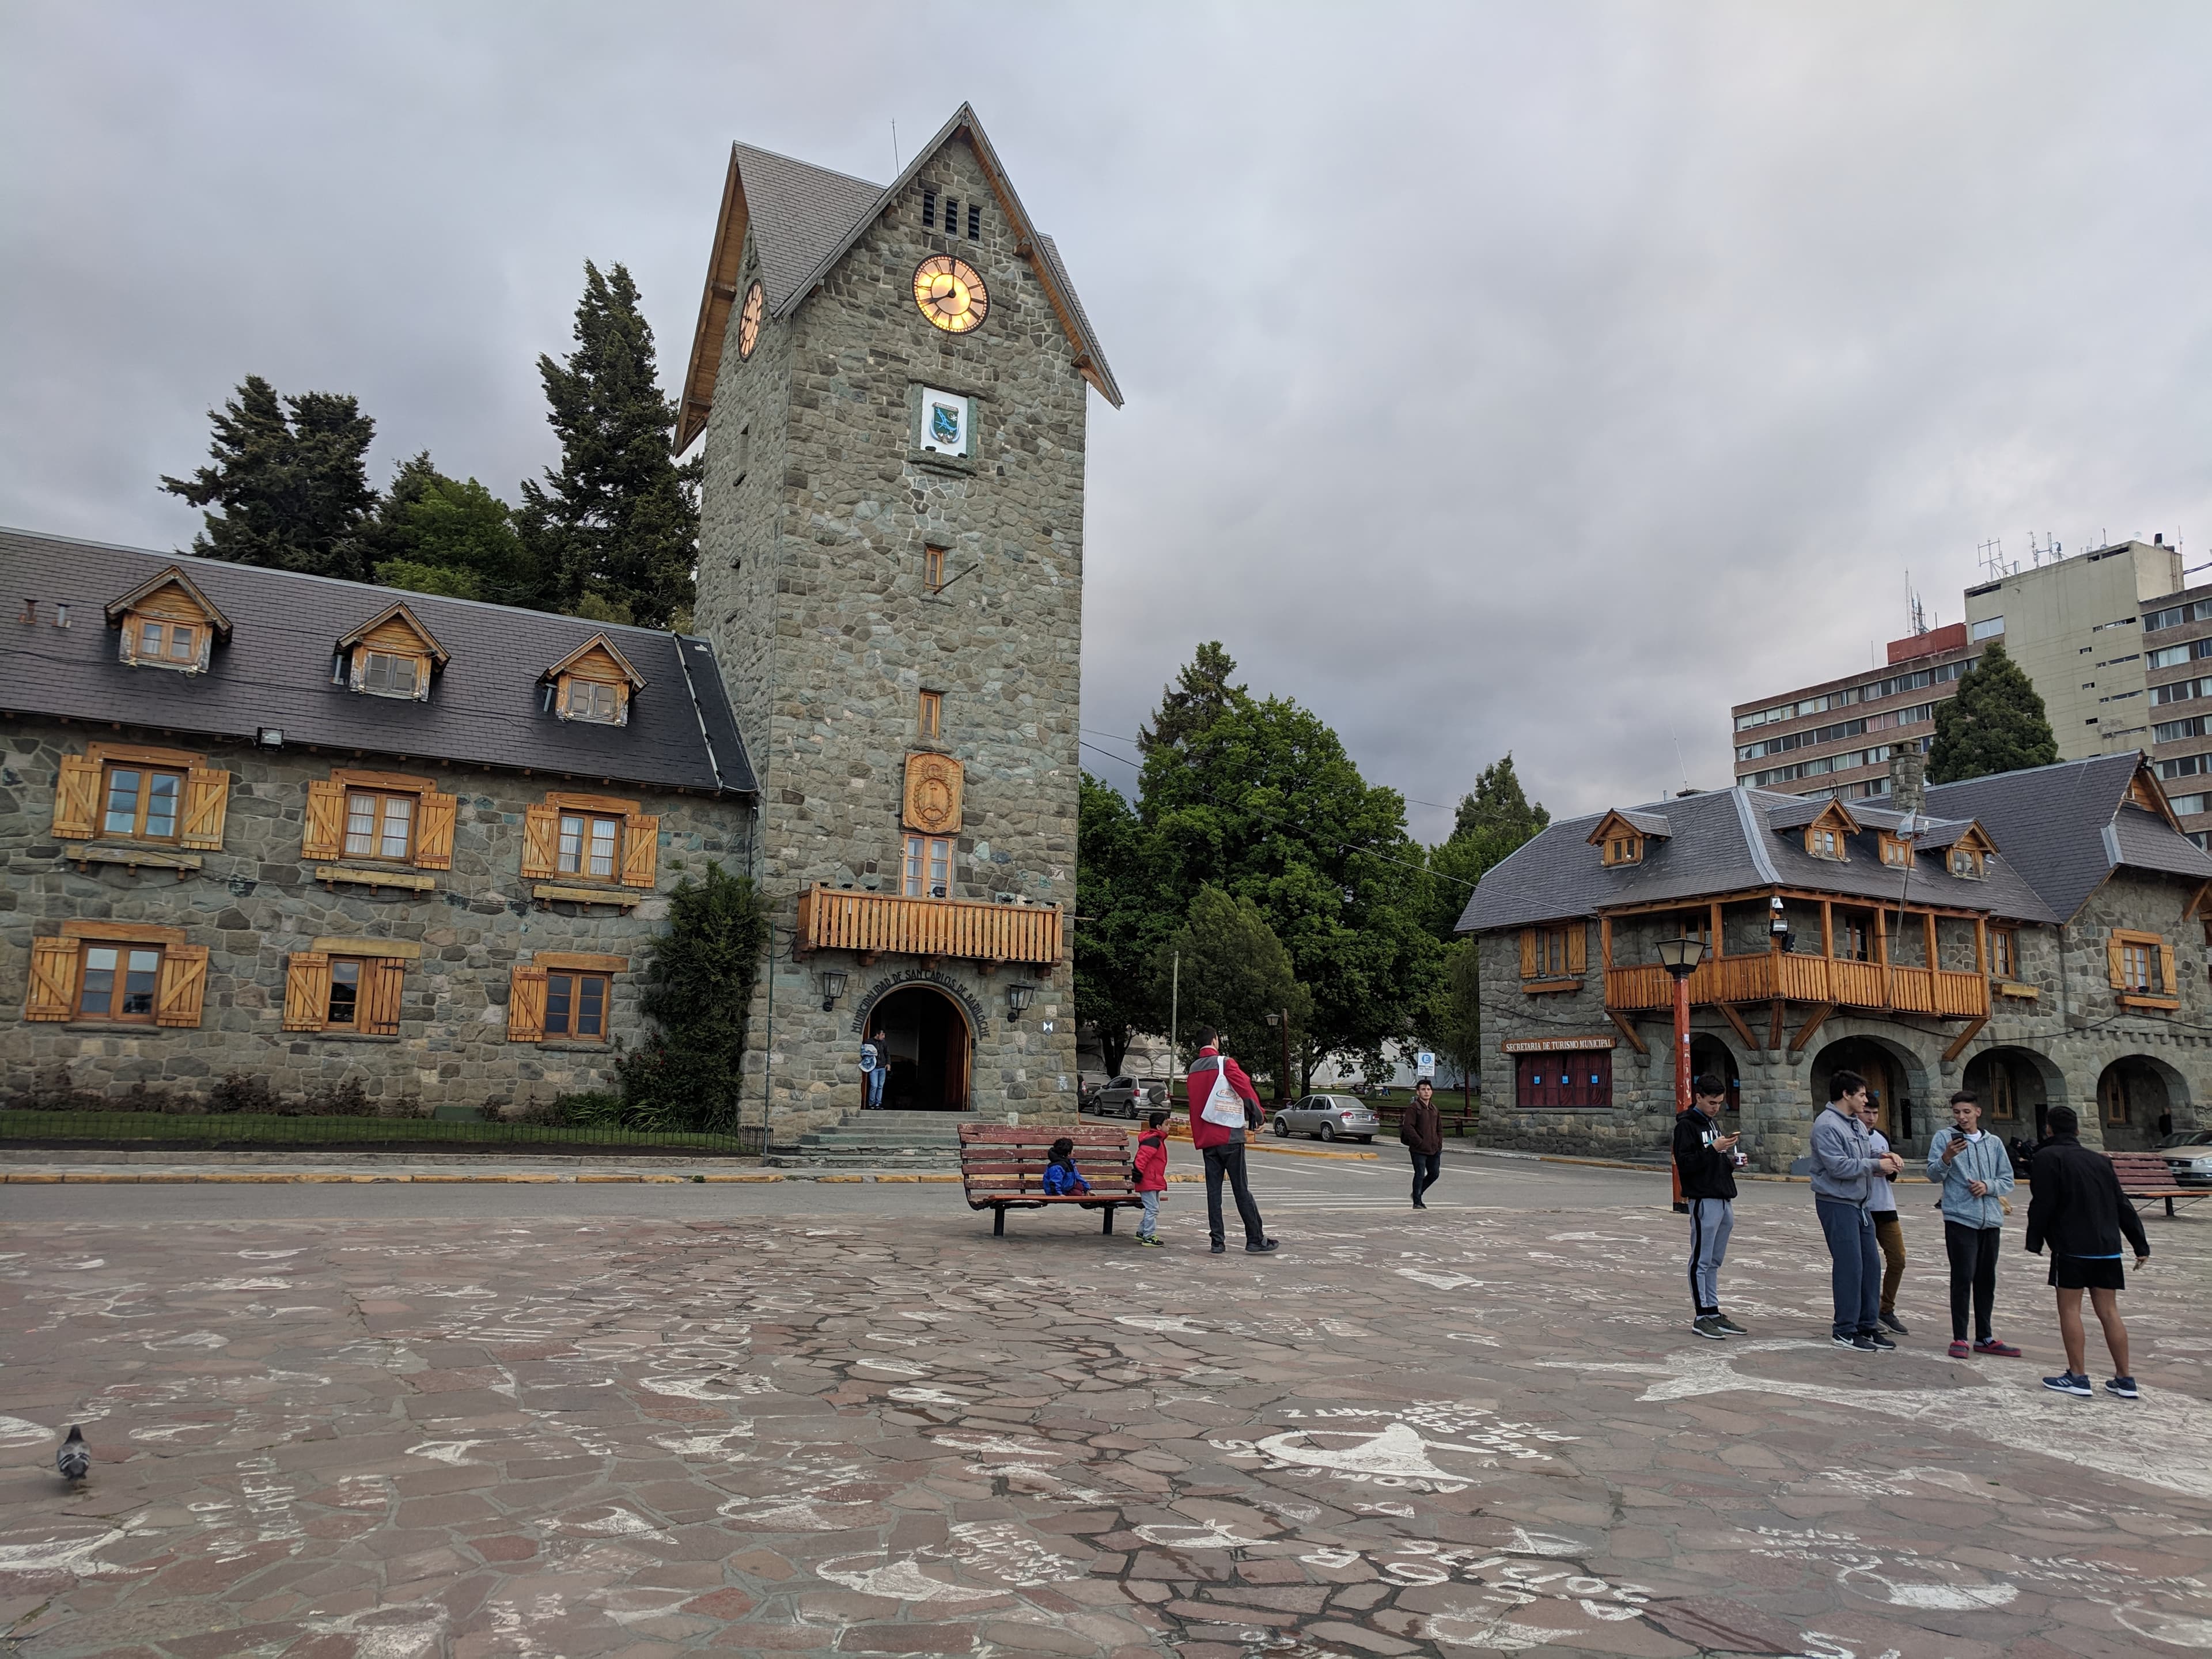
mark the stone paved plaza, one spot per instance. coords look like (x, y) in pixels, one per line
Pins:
(881, 1430)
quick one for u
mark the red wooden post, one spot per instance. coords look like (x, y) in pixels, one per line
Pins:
(1681, 1074)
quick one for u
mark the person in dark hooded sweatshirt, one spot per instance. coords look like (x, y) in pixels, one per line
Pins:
(1705, 1155)
(2076, 1207)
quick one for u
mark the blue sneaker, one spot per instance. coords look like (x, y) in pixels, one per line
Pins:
(2067, 1382)
(2124, 1388)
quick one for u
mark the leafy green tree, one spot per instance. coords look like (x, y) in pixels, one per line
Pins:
(1261, 800)
(440, 535)
(1490, 823)
(618, 520)
(289, 488)
(698, 991)
(1201, 694)
(1119, 921)
(1234, 973)
(1996, 723)
(1455, 1025)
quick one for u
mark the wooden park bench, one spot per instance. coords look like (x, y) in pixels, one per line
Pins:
(1003, 1169)
(2145, 1175)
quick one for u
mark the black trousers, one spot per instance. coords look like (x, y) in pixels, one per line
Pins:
(1973, 1253)
(1230, 1161)
(1427, 1166)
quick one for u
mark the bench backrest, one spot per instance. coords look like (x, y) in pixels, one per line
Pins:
(1012, 1160)
(2141, 1170)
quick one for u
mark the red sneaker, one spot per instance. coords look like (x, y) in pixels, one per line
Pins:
(1995, 1349)
(1960, 1350)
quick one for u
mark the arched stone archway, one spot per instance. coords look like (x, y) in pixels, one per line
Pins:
(2134, 1094)
(1708, 1055)
(931, 1046)
(2017, 1088)
(1896, 1082)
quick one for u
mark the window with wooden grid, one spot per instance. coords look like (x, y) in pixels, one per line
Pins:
(595, 700)
(130, 791)
(930, 719)
(388, 674)
(2004, 1096)
(2139, 967)
(116, 972)
(933, 567)
(1823, 843)
(591, 846)
(1894, 853)
(2004, 953)
(118, 982)
(929, 209)
(576, 1006)
(1854, 937)
(1553, 953)
(928, 867)
(1967, 863)
(1624, 848)
(166, 644)
(141, 802)
(2113, 1095)
(379, 825)
(343, 1007)
(350, 991)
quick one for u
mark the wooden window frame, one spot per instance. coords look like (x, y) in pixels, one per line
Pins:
(377, 977)
(61, 964)
(1624, 849)
(118, 987)
(588, 819)
(1973, 870)
(1555, 958)
(1896, 854)
(346, 974)
(618, 693)
(932, 568)
(367, 659)
(146, 771)
(1817, 835)
(917, 858)
(570, 983)
(382, 797)
(2004, 953)
(2141, 968)
(2004, 1097)
(929, 714)
(135, 623)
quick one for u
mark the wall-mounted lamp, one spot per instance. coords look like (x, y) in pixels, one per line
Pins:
(833, 986)
(270, 737)
(1777, 923)
(1018, 997)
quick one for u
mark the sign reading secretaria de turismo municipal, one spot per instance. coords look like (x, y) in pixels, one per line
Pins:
(1553, 1045)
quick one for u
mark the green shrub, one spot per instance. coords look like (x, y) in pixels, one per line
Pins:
(699, 987)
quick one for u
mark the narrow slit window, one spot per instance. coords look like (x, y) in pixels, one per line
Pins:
(933, 567)
(931, 722)
(975, 222)
(929, 209)
(951, 216)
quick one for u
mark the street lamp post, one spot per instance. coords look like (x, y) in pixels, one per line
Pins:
(1681, 957)
(1282, 1021)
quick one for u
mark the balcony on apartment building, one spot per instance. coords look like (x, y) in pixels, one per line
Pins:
(892, 924)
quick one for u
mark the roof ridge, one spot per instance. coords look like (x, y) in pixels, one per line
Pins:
(1753, 841)
(799, 162)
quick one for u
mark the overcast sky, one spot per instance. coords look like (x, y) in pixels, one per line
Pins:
(1543, 377)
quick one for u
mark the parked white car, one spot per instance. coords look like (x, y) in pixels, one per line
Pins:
(1329, 1117)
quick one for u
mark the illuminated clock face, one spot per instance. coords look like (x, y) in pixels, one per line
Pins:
(749, 321)
(950, 294)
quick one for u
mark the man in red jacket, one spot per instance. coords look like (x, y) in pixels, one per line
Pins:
(1222, 1145)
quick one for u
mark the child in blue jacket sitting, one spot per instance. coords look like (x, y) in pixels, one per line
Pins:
(1061, 1178)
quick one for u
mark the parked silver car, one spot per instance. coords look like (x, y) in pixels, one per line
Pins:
(1329, 1117)
(1126, 1096)
(2188, 1154)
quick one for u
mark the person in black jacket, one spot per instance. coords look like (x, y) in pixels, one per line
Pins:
(1705, 1157)
(2075, 1206)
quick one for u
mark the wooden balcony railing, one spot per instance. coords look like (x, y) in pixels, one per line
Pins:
(1789, 977)
(884, 924)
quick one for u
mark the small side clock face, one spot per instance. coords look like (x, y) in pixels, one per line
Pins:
(749, 321)
(950, 294)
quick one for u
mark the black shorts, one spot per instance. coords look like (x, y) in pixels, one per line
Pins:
(2083, 1273)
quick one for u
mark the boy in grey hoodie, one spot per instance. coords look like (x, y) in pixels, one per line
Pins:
(1843, 1163)
(1976, 1172)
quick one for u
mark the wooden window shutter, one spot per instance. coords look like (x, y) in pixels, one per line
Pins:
(324, 838)
(207, 799)
(541, 842)
(182, 985)
(2166, 984)
(306, 991)
(641, 849)
(1578, 949)
(1528, 953)
(76, 798)
(2116, 962)
(381, 982)
(434, 832)
(525, 1006)
(53, 979)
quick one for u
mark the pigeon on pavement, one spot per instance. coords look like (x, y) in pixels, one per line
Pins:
(74, 1460)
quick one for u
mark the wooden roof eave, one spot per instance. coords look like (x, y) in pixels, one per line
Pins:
(171, 575)
(725, 262)
(399, 612)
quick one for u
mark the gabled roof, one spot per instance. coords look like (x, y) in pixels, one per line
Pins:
(2068, 826)
(172, 576)
(1727, 841)
(805, 219)
(489, 710)
(401, 614)
(602, 642)
(1653, 825)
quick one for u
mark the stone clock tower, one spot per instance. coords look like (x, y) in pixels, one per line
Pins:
(892, 382)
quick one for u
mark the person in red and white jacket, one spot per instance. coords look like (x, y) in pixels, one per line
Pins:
(1222, 1145)
(1151, 1167)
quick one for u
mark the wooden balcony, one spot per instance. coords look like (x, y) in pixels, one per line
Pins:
(887, 924)
(1775, 976)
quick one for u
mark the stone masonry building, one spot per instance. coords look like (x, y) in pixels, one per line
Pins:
(892, 383)
(329, 837)
(2039, 937)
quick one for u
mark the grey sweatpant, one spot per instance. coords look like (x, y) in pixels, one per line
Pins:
(1712, 1221)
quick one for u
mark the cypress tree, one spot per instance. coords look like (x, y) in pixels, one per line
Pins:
(617, 522)
(1996, 723)
(289, 487)
(1200, 693)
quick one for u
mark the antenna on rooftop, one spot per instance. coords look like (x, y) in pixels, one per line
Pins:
(1991, 557)
(1916, 613)
(2047, 548)
(1678, 761)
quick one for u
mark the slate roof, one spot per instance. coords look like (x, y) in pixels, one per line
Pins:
(798, 212)
(2067, 827)
(486, 705)
(1725, 842)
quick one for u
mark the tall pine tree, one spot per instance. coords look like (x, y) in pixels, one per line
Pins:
(1996, 723)
(614, 531)
(1201, 692)
(289, 489)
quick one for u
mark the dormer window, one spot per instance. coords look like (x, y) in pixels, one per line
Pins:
(1624, 849)
(1967, 862)
(1827, 835)
(389, 675)
(391, 655)
(1622, 837)
(167, 623)
(1894, 853)
(594, 682)
(1823, 843)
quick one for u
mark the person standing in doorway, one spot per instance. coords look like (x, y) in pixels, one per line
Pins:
(1705, 1158)
(1224, 1105)
(1422, 1133)
(1843, 1165)
(1975, 1173)
(2075, 1206)
(1881, 1207)
(875, 1068)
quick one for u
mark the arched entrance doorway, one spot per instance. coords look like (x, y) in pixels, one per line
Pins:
(929, 1047)
(2017, 1088)
(1890, 1085)
(1710, 1057)
(2134, 1094)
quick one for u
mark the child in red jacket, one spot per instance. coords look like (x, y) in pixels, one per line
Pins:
(1151, 1175)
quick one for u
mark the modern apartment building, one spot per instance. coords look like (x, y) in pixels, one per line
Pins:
(2120, 650)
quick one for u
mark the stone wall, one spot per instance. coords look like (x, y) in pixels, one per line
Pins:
(829, 531)
(253, 902)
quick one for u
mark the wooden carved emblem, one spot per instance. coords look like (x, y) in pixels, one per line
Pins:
(932, 794)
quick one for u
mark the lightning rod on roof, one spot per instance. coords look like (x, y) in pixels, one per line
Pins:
(895, 163)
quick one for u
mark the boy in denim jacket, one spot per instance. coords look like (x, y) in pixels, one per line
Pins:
(1976, 1172)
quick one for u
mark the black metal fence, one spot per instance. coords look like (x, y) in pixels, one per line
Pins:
(246, 1133)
